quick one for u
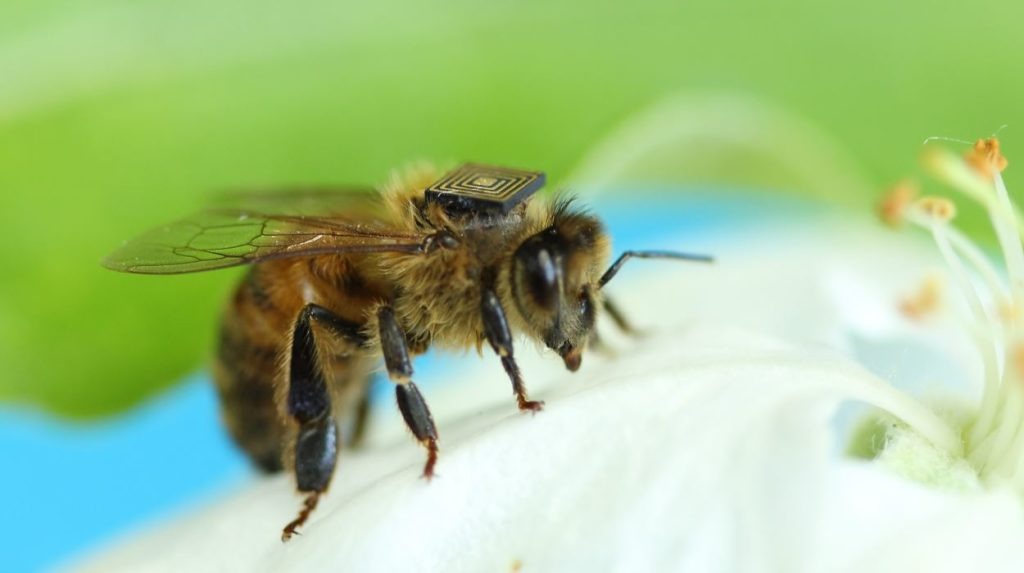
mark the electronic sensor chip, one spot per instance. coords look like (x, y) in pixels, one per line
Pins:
(484, 188)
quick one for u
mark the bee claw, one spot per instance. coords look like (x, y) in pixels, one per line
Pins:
(307, 508)
(532, 406)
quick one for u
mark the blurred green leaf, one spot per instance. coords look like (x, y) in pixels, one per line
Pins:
(116, 115)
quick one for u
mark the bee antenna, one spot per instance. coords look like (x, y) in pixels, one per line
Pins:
(614, 269)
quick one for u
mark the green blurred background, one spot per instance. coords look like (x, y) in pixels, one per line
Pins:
(118, 115)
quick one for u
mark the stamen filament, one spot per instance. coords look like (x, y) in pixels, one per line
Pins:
(990, 396)
(1006, 426)
(1018, 470)
(940, 234)
(911, 412)
(1007, 231)
(980, 263)
(1012, 464)
(1008, 228)
(995, 439)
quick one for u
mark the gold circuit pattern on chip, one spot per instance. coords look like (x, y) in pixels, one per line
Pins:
(476, 187)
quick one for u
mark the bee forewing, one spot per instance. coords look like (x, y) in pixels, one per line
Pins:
(228, 237)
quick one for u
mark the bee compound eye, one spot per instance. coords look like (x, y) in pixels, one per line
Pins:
(537, 274)
(587, 309)
(543, 279)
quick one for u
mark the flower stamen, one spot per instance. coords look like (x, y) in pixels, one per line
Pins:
(895, 203)
(986, 158)
(994, 440)
(940, 209)
(925, 301)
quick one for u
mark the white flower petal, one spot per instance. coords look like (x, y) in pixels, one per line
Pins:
(689, 463)
(698, 448)
(874, 521)
(719, 457)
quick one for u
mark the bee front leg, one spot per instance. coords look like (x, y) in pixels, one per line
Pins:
(309, 404)
(500, 337)
(414, 409)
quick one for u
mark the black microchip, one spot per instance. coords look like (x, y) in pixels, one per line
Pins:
(475, 188)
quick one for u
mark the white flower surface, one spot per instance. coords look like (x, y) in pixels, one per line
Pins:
(714, 442)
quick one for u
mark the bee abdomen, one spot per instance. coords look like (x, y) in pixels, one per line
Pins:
(245, 376)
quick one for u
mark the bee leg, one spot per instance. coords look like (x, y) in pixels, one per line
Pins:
(309, 404)
(617, 317)
(500, 337)
(395, 348)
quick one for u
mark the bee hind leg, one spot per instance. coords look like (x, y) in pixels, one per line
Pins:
(413, 407)
(309, 404)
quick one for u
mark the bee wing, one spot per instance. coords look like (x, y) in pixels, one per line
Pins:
(222, 238)
(352, 201)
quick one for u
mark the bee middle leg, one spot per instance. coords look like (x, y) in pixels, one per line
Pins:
(411, 404)
(500, 337)
(309, 404)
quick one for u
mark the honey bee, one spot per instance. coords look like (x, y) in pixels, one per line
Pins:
(340, 279)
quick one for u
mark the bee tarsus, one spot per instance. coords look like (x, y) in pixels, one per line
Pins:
(499, 336)
(308, 506)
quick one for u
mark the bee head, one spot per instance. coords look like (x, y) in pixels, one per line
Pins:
(555, 275)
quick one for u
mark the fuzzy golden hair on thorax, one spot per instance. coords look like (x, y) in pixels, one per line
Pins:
(402, 193)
